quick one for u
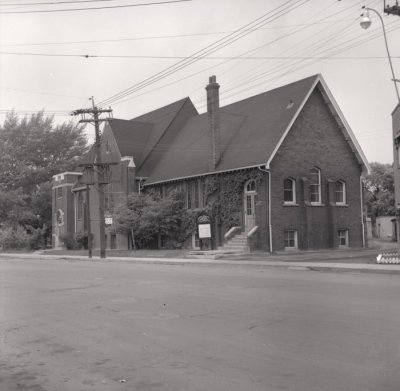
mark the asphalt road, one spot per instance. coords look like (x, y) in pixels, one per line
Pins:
(105, 326)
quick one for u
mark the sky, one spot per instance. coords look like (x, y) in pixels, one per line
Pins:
(137, 55)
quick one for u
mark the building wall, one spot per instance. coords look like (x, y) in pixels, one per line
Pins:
(63, 207)
(315, 140)
(384, 228)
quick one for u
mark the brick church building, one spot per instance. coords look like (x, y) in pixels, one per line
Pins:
(283, 166)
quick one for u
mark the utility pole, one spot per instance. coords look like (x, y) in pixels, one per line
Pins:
(99, 167)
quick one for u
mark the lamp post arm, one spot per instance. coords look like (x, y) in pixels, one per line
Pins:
(387, 50)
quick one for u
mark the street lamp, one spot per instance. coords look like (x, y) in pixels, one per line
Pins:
(365, 22)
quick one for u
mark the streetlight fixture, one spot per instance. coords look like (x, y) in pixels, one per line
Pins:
(365, 22)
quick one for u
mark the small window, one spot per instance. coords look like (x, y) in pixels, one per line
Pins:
(343, 237)
(189, 195)
(315, 185)
(340, 192)
(290, 239)
(81, 205)
(289, 191)
(251, 186)
(196, 194)
(193, 194)
(113, 241)
(195, 241)
(59, 191)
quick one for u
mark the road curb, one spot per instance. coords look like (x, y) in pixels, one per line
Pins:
(290, 265)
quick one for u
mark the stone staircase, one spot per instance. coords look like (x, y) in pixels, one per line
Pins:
(237, 244)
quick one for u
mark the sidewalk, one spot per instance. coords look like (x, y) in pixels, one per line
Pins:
(361, 260)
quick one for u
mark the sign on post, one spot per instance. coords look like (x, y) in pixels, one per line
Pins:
(204, 230)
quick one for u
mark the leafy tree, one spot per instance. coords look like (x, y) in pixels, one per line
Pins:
(147, 215)
(33, 149)
(379, 186)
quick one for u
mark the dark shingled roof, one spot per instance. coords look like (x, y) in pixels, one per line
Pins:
(250, 131)
(172, 142)
(132, 137)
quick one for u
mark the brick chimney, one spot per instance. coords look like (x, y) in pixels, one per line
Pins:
(214, 133)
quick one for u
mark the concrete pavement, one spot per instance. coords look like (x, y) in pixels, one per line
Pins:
(361, 260)
(70, 325)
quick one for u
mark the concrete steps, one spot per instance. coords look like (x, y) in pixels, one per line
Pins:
(237, 244)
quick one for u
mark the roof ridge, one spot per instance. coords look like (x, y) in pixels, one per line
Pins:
(185, 100)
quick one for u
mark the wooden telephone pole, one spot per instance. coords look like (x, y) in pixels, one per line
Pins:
(93, 116)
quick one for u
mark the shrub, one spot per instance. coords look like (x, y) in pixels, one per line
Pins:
(70, 243)
(82, 239)
(14, 238)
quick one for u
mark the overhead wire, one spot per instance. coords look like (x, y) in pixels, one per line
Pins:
(188, 60)
(205, 51)
(94, 8)
(155, 36)
(227, 61)
(297, 64)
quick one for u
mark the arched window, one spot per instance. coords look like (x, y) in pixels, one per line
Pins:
(251, 186)
(315, 185)
(340, 192)
(289, 191)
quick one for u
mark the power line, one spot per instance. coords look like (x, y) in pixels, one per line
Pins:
(219, 44)
(158, 36)
(200, 57)
(238, 57)
(54, 2)
(40, 93)
(94, 8)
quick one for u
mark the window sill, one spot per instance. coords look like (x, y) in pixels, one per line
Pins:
(340, 204)
(290, 204)
(316, 204)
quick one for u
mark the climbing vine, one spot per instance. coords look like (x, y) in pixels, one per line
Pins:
(222, 194)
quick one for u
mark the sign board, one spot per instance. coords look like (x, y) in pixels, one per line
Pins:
(204, 226)
(204, 231)
(108, 220)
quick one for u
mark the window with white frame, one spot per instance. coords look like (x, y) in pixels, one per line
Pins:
(340, 192)
(290, 239)
(343, 237)
(289, 191)
(251, 186)
(315, 185)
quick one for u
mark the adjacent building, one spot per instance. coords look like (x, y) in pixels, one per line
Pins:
(281, 170)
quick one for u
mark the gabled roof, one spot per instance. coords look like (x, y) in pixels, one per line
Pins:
(252, 131)
(131, 137)
(138, 137)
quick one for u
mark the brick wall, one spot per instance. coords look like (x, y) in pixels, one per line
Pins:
(316, 140)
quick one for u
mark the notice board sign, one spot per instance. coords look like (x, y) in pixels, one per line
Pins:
(204, 226)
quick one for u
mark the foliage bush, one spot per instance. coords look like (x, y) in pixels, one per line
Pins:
(14, 238)
(146, 216)
(82, 239)
(70, 242)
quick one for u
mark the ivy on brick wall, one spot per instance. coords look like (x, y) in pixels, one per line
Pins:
(223, 195)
